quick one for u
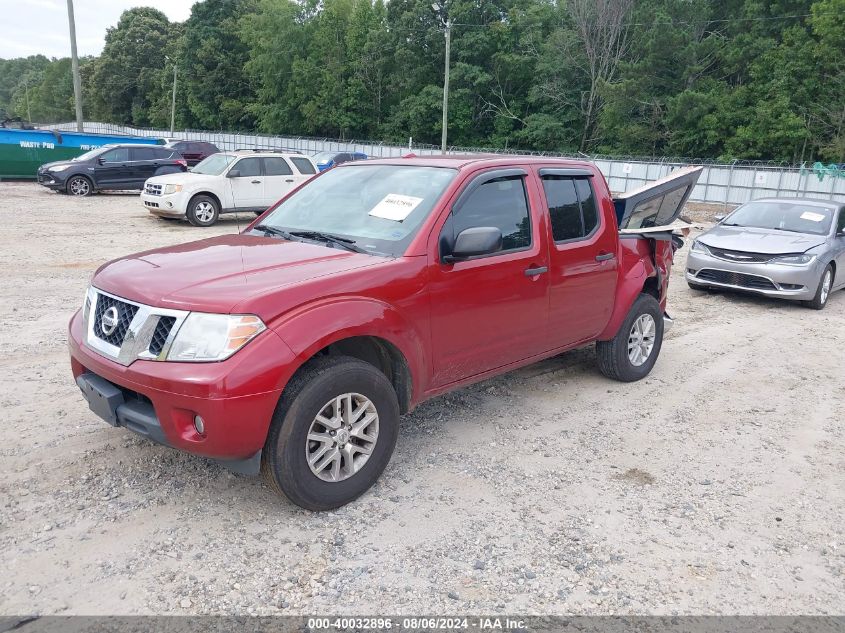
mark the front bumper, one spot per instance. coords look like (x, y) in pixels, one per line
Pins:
(772, 280)
(236, 398)
(54, 181)
(172, 205)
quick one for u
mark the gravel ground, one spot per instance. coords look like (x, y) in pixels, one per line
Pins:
(713, 486)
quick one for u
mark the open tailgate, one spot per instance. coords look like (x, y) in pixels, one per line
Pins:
(656, 204)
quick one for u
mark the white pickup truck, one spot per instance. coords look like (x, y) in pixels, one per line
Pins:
(228, 182)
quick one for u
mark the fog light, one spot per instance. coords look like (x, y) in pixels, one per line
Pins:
(199, 425)
(169, 205)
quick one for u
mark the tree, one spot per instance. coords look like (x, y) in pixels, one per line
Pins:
(126, 76)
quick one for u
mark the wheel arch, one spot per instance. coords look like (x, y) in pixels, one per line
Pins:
(210, 194)
(89, 178)
(379, 336)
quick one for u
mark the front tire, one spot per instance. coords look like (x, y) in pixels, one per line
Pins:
(79, 186)
(823, 291)
(695, 286)
(203, 211)
(631, 354)
(332, 434)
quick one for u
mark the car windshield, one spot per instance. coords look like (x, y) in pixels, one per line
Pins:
(324, 157)
(796, 217)
(380, 207)
(213, 165)
(91, 153)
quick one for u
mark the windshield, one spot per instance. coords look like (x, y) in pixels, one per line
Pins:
(213, 165)
(90, 154)
(380, 207)
(796, 217)
(324, 157)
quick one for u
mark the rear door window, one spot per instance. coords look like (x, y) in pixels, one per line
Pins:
(304, 165)
(276, 166)
(143, 153)
(572, 207)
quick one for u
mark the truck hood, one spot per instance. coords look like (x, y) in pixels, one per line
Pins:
(217, 274)
(754, 240)
(182, 178)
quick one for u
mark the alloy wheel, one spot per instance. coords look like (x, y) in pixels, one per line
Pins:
(80, 187)
(641, 339)
(204, 211)
(342, 437)
(827, 280)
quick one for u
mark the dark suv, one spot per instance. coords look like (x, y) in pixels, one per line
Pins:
(193, 151)
(110, 167)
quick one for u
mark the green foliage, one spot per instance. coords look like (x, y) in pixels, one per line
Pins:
(706, 78)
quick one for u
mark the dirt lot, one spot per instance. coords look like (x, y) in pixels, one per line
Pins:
(716, 485)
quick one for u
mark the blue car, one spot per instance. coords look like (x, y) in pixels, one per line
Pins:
(326, 160)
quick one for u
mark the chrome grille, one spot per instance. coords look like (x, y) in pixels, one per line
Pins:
(152, 189)
(160, 334)
(125, 312)
(739, 256)
(141, 332)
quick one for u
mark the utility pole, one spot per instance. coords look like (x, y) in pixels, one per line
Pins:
(173, 102)
(442, 12)
(74, 61)
(446, 87)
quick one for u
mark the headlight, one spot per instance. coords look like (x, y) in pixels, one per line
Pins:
(794, 260)
(701, 248)
(58, 168)
(168, 189)
(211, 337)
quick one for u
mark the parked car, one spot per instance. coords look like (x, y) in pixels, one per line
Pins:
(193, 151)
(118, 166)
(779, 247)
(227, 182)
(326, 160)
(294, 346)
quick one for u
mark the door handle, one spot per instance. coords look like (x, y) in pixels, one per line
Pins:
(288, 179)
(539, 270)
(255, 182)
(605, 257)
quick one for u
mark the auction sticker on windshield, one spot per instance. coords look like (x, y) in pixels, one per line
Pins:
(395, 206)
(809, 215)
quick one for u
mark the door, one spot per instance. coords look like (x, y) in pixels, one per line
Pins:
(247, 183)
(145, 162)
(582, 258)
(491, 310)
(278, 179)
(839, 249)
(112, 169)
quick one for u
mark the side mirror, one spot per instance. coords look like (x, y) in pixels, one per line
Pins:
(720, 217)
(234, 173)
(479, 240)
(101, 161)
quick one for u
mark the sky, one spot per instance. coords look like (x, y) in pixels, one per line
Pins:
(30, 27)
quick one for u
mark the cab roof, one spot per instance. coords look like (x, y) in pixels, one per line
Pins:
(460, 161)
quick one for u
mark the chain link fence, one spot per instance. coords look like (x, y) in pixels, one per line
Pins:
(728, 184)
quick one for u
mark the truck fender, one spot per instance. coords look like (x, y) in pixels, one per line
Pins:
(631, 284)
(312, 327)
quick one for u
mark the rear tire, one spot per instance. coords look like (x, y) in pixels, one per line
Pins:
(823, 291)
(305, 404)
(79, 186)
(631, 354)
(203, 211)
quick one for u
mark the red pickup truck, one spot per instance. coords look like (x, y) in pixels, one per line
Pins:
(293, 347)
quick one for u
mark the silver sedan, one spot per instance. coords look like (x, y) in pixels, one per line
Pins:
(780, 247)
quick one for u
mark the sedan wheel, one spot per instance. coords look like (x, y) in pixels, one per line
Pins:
(823, 292)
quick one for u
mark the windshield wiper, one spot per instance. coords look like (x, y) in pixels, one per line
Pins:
(780, 228)
(272, 230)
(330, 239)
